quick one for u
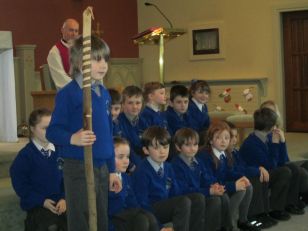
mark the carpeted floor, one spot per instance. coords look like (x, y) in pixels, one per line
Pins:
(297, 149)
(296, 223)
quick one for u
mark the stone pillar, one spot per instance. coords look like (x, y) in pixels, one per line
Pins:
(26, 79)
(19, 112)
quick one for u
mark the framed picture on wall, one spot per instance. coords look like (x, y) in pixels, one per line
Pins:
(207, 41)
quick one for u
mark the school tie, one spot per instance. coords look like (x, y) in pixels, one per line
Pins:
(193, 165)
(95, 88)
(181, 116)
(222, 159)
(134, 122)
(45, 152)
(160, 172)
(203, 109)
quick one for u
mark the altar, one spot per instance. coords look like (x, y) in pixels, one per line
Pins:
(8, 118)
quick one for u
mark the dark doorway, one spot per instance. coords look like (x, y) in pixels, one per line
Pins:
(295, 41)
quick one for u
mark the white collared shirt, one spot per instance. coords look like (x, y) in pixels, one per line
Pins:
(188, 160)
(155, 165)
(218, 153)
(261, 135)
(50, 147)
(119, 175)
(199, 105)
(154, 107)
(79, 80)
(131, 119)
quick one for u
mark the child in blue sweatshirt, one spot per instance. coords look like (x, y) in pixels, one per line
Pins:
(218, 163)
(130, 122)
(154, 94)
(299, 172)
(258, 177)
(176, 114)
(192, 177)
(66, 131)
(199, 92)
(258, 150)
(157, 189)
(37, 178)
(116, 106)
(124, 210)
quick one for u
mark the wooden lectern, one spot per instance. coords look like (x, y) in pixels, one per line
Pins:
(158, 36)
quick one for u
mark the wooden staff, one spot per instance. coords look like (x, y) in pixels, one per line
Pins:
(87, 112)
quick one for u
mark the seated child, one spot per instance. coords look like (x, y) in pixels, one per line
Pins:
(258, 177)
(123, 209)
(37, 178)
(199, 92)
(257, 150)
(116, 100)
(66, 130)
(176, 114)
(218, 163)
(192, 177)
(154, 94)
(299, 174)
(157, 190)
(131, 124)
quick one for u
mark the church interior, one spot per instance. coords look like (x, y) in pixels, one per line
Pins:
(243, 56)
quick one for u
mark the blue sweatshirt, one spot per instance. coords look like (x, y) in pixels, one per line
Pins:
(257, 153)
(153, 118)
(36, 177)
(283, 157)
(149, 187)
(67, 118)
(191, 180)
(223, 174)
(176, 121)
(241, 167)
(125, 199)
(200, 119)
(132, 132)
(116, 131)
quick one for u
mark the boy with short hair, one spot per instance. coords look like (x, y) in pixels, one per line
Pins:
(66, 131)
(192, 177)
(154, 94)
(176, 114)
(258, 151)
(157, 189)
(130, 123)
(116, 103)
(258, 177)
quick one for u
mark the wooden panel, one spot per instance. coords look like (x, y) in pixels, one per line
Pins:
(45, 99)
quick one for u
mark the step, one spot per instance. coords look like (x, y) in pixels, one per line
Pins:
(11, 216)
(8, 152)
